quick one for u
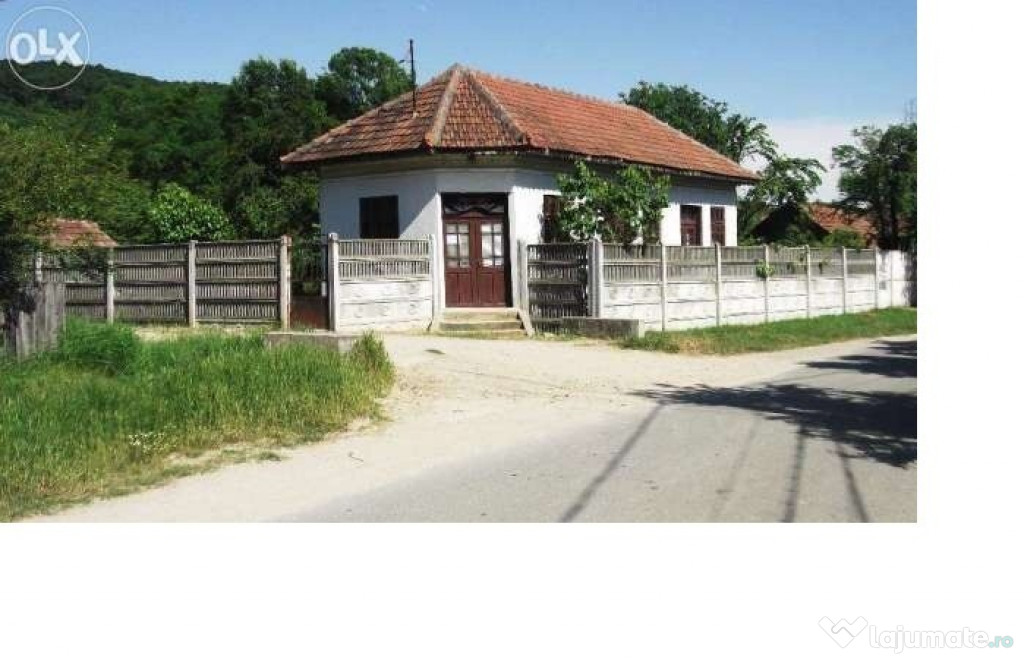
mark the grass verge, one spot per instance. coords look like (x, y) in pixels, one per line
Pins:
(106, 413)
(781, 335)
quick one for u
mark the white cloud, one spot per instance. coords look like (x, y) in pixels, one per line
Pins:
(814, 138)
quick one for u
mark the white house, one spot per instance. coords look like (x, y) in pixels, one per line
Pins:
(471, 158)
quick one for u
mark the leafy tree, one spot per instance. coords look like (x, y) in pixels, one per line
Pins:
(270, 108)
(46, 172)
(358, 80)
(177, 215)
(785, 186)
(879, 176)
(706, 120)
(844, 238)
(619, 209)
(290, 209)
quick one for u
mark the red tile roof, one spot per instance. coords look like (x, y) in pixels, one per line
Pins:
(830, 218)
(467, 110)
(78, 233)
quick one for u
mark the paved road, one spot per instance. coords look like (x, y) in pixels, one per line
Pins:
(832, 440)
(583, 431)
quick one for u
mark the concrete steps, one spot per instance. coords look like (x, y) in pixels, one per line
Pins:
(482, 322)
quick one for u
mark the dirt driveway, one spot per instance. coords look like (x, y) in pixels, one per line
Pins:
(456, 400)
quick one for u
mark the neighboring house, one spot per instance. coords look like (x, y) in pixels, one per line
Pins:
(77, 233)
(471, 158)
(824, 219)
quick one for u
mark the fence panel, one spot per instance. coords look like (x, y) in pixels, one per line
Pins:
(238, 282)
(741, 262)
(557, 280)
(383, 283)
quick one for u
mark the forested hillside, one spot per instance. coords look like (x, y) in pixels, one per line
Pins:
(152, 160)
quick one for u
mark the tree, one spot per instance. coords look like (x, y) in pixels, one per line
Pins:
(879, 176)
(177, 215)
(49, 171)
(289, 209)
(358, 80)
(706, 120)
(619, 209)
(269, 109)
(786, 184)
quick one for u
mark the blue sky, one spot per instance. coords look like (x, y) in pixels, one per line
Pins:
(810, 69)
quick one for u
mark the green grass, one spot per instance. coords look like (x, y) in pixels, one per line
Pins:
(105, 413)
(782, 335)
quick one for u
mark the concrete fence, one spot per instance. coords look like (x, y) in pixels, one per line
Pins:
(672, 287)
(383, 284)
(684, 287)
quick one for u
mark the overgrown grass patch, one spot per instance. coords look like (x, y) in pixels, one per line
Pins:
(105, 414)
(781, 335)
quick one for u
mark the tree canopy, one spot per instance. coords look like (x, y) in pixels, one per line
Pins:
(708, 121)
(358, 80)
(117, 140)
(879, 176)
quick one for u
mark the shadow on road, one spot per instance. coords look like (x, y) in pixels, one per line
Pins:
(877, 425)
(894, 359)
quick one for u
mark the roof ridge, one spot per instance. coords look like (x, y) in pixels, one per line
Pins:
(557, 90)
(506, 118)
(436, 130)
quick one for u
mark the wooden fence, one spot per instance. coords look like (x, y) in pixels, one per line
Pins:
(337, 284)
(557, 282)
(216, 282)
(30, 332)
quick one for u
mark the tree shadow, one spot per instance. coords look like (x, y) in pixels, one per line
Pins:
(875, 425)
(894, 359)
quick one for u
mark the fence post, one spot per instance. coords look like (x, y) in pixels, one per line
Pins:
(892, 279)
(284, 282)
(524, 277)
(878, 290)
(664, 289)
(436, 282)
(37, 268)
(809, 285)
(767, 276)
(190, 286)
(718, 284)
(109, 291)
(844, 279)
(333, 285)
(596, 272)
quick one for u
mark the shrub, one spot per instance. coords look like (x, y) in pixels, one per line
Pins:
(112, 349)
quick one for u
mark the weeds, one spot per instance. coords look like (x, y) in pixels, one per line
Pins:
(105, 413)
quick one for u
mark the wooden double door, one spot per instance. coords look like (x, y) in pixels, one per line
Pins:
(476, 250)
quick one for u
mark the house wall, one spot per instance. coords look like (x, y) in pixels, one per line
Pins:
(419, 204)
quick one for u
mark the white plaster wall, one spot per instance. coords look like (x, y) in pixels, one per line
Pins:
(705, 197)
(419, 205)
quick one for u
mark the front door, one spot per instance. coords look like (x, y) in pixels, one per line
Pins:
(476, 261)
